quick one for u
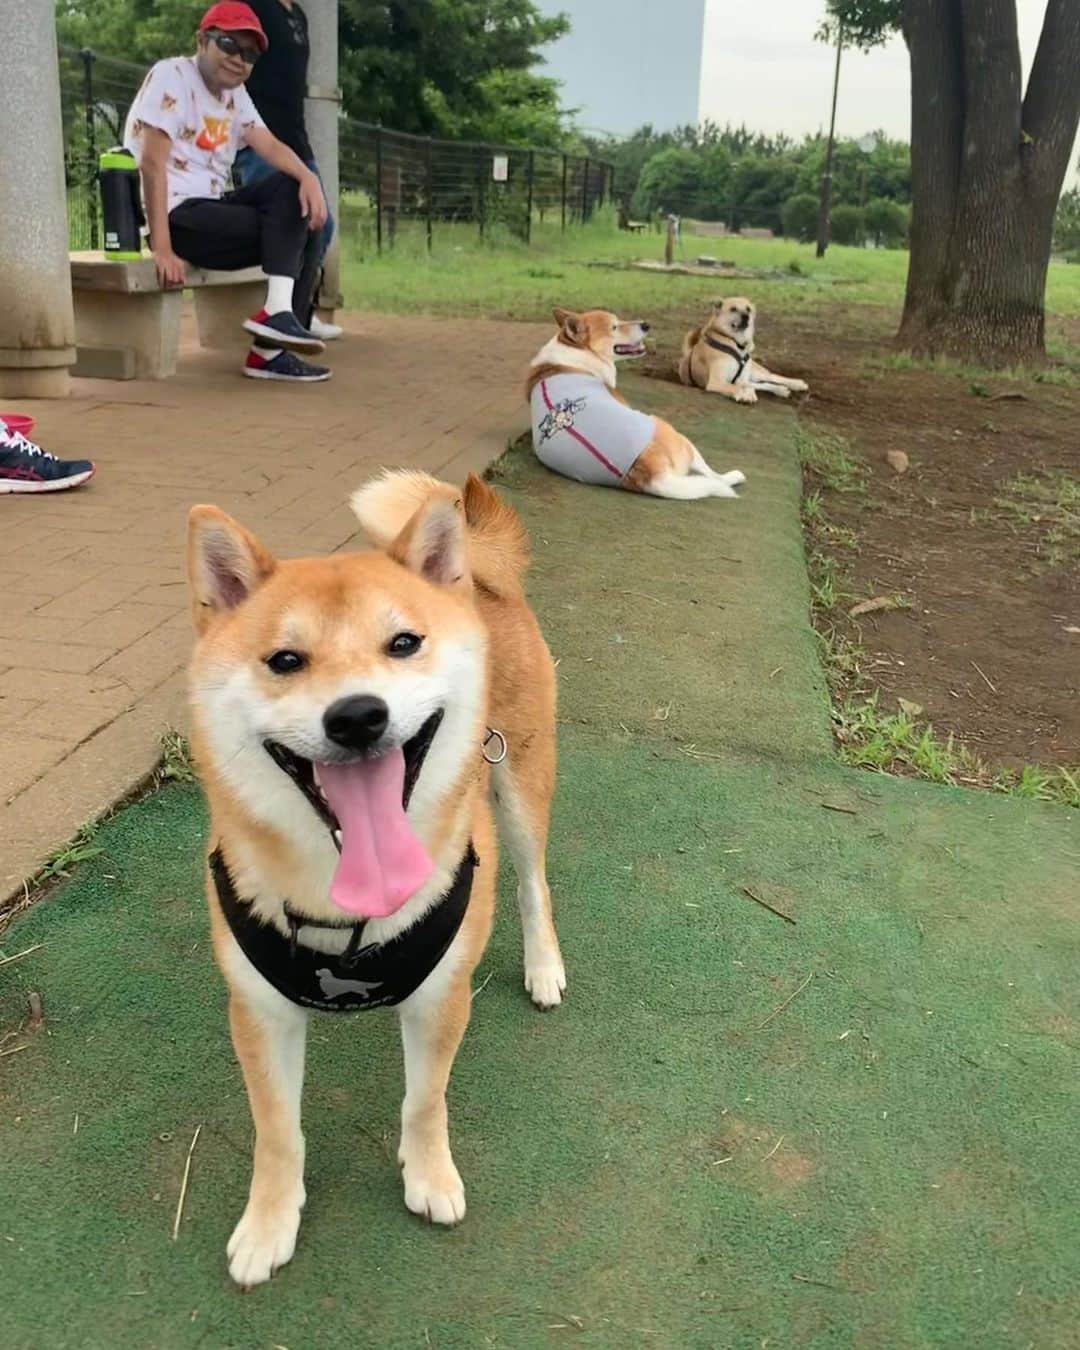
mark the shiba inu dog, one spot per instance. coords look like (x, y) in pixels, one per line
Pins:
(718, 356)
(583, 429)
(351, 715)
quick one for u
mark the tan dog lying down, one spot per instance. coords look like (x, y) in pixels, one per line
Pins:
(718, 357)
(584, 430)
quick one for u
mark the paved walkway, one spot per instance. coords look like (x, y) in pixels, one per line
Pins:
(94, 623)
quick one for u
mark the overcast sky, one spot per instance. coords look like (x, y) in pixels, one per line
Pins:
(760, 66)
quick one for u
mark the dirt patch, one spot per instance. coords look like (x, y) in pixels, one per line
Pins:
(977, 544)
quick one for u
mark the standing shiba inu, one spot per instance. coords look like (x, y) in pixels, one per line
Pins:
(583, 429)
(719, 357)
(350, 715)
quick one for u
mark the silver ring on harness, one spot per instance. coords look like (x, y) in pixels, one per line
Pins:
(500, 754)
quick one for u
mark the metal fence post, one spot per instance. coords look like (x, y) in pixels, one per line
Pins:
(378, 189)
(428, 190)
(564, 192)
(585, 193)
(529, 197)
(87, 57)
(481, 187)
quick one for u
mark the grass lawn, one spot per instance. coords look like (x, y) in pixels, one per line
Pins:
(504, 278)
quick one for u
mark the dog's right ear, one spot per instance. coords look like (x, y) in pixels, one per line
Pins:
(572, 327)
(225, 564)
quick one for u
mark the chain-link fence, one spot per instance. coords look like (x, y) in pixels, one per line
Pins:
(387, 177)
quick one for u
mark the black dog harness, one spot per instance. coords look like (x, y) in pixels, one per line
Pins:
(738, 354)
(378, 975)
(373, 976)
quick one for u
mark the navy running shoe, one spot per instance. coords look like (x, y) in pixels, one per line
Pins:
(25, 467)
(283, 366)
(283, 330)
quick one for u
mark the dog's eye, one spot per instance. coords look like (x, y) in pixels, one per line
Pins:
(286, 662)
(404, 644)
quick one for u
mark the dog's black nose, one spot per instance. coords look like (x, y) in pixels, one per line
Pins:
(644, 327)
(356, 722)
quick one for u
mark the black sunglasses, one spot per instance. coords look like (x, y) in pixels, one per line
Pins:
(228, 44)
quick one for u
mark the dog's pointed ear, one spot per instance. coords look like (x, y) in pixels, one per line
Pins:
(572, 327)
(433, 543)
(225, 564)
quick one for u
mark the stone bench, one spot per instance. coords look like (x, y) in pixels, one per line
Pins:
(127, 327)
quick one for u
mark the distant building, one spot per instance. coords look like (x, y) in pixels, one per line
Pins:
(628, 62)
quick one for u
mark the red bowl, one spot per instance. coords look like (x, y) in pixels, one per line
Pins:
(18, 422)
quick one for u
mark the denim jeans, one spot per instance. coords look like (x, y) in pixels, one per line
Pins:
(251, 168)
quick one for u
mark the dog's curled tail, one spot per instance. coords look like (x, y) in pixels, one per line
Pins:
(689, 342)
(497, 542)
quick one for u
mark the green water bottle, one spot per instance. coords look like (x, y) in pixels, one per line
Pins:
(120, 208)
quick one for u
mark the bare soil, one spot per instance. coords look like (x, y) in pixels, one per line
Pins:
(986, 568)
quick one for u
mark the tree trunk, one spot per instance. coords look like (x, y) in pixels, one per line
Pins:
(987, 169)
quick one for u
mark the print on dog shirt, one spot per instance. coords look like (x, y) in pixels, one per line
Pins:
(580, 431)
(206, 131)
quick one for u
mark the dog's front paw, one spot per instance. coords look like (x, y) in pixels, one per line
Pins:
(546, 983)
(744, 394)
(799, 387)
(263, 1240)
(782, 391)
(433, 1188)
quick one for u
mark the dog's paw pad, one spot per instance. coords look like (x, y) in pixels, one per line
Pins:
(261, 1243)
(438, 1196)
(546, 985)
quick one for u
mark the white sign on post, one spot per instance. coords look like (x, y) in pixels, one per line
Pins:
(500, 168)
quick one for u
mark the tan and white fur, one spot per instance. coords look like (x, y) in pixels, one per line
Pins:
(731, 322)
(589, 343)
(447, 564)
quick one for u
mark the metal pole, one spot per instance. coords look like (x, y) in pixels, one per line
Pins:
(378, 189)
(87, 57)
(564, 192)
(826, 181)
(428, 188)
(529, 201)
(483, 160)
(585, 193)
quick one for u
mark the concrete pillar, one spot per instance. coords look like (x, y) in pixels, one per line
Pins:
(322, 111)
(37, 323)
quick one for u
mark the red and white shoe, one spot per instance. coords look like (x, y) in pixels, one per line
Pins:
(284, 329)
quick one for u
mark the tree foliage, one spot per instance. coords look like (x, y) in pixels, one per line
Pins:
(453, 68)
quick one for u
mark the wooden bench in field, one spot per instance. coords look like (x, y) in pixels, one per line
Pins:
(127, 327)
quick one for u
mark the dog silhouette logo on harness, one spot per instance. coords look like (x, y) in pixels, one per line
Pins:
(333, 987)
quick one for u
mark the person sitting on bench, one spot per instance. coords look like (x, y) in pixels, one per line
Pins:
(185, 127)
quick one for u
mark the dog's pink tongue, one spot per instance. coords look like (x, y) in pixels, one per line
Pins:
(382, 862)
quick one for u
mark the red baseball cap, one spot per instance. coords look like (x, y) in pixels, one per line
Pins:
(233, 17)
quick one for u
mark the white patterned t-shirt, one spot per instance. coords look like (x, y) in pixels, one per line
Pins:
(206, 131)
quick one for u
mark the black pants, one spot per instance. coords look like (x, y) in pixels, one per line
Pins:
(257, 225)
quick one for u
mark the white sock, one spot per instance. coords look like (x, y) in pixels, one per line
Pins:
(266, 353)
(279, 294)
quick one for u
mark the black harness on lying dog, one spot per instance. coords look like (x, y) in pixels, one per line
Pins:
(739, 354)
(374, 976)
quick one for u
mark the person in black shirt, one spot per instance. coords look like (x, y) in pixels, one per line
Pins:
(277, 86)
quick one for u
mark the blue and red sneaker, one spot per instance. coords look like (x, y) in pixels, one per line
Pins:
(25, 467)
(283, 330)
